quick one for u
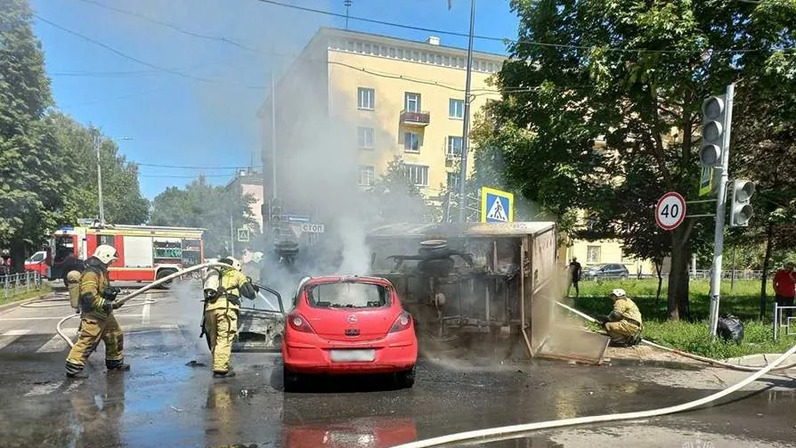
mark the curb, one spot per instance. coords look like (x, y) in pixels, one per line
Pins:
(678, 365)
(12, 305)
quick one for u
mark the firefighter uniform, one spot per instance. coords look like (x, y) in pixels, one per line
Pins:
(221, 315)
(624, 324)
(97, 324)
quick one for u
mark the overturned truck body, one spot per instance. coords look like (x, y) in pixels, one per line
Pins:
(479, 283)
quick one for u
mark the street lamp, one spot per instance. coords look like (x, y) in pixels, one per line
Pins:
(97, 144)
(466, 127)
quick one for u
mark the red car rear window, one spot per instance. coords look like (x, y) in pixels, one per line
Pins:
(348, 295)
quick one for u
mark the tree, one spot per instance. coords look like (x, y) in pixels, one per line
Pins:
(121, 193)
(634, 74)
(206, 206)
(30, 183)
(394, 198)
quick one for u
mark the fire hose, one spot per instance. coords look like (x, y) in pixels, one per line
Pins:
(119, 302)
(515, 430)
(680, 352)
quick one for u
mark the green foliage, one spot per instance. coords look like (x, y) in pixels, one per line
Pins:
(30, 184)
(202, 205)
(394, 198)
(590, 81)
(691, 336)
(122, 197)
(43, 289)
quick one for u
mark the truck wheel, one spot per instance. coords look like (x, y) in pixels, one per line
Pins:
(165, 273)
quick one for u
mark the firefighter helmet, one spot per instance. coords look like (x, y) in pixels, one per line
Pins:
(618, 292)
(106, 254)
(232, 261)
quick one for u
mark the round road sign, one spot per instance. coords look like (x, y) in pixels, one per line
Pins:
(670, 211)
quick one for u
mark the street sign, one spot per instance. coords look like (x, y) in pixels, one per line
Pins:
(496, 205)
(307, 227)
(706, 181)
(312, 228)
(243, 235)
(670, 211)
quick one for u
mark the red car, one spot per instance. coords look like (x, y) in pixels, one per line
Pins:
(348, 325)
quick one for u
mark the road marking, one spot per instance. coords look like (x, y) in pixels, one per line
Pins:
(54, 345)
(44, 389)
(5, 341)
(145, 313)
(17, 332)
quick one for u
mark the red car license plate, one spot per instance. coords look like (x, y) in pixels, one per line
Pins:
(353, 355)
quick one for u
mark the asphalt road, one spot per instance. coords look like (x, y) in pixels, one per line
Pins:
(168, 400)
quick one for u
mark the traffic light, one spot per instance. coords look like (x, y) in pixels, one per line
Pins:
(740, 209)
(713, 119)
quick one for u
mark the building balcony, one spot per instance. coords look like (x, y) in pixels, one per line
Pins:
(415, 118)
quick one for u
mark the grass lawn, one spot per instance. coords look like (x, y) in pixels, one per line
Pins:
(692, 336)
(45, 288)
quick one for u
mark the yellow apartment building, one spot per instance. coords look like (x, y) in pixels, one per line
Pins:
(387, 97)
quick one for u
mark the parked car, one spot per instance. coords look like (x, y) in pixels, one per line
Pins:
(348, 325)
(607, 271)
(37, 262)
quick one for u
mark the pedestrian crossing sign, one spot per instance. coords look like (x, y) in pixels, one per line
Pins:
(496, 205)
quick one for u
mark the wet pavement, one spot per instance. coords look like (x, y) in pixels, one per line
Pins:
(168, 400)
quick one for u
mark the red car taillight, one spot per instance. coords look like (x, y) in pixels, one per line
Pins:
(299, 323)
(403, 322)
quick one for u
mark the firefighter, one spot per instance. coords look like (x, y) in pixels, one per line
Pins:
(624, 324)
(97, 322)
(223, 289)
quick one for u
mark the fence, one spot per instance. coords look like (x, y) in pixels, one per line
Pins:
(784, 323)
(14, 284)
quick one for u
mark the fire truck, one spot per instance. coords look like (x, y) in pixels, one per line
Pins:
(145, 253)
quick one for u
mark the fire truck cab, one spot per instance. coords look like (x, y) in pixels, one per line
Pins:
(145, 253)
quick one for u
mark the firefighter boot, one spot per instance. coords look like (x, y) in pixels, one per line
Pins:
(74, 371)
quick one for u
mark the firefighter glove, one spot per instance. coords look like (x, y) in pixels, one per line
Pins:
(110, 293)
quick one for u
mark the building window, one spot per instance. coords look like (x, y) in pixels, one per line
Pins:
(417, 174)
(453, 181)
(412, 103)
(367, 174)
(454, 146)
(411, 141)
(456, 108)
(593, 254)
(365, 137)
(366, 98)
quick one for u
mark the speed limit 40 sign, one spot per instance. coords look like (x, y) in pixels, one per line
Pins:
(670, 211)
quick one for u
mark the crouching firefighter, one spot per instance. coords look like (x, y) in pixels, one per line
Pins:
(97, 322)
(623, 325)
(223, 288)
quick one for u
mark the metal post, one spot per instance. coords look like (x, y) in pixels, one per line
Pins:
(721, 203)
(231, 236)
(776, 322)
(466, 126)
(99, 178)
(273, 136)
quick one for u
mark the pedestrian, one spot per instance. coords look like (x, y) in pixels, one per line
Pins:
(223, 288)
(6, 266)
(784, 289)
(97, 322)
(624, 324)
(574, 276)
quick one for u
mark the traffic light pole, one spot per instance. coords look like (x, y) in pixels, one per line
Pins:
(721, 206)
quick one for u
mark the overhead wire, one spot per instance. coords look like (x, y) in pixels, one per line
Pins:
(168, 25)
(197, 167)
(499, 39)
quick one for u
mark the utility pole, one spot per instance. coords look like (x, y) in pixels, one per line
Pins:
(99, 178)
(347, 4)
(231, 236)
(466, 126)
(721, 204)
(273, 136)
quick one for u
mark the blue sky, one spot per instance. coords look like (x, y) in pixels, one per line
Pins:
(173, 118)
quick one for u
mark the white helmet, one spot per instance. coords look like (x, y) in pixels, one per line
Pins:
(232, 261)
(618, 292)
(105, 253)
